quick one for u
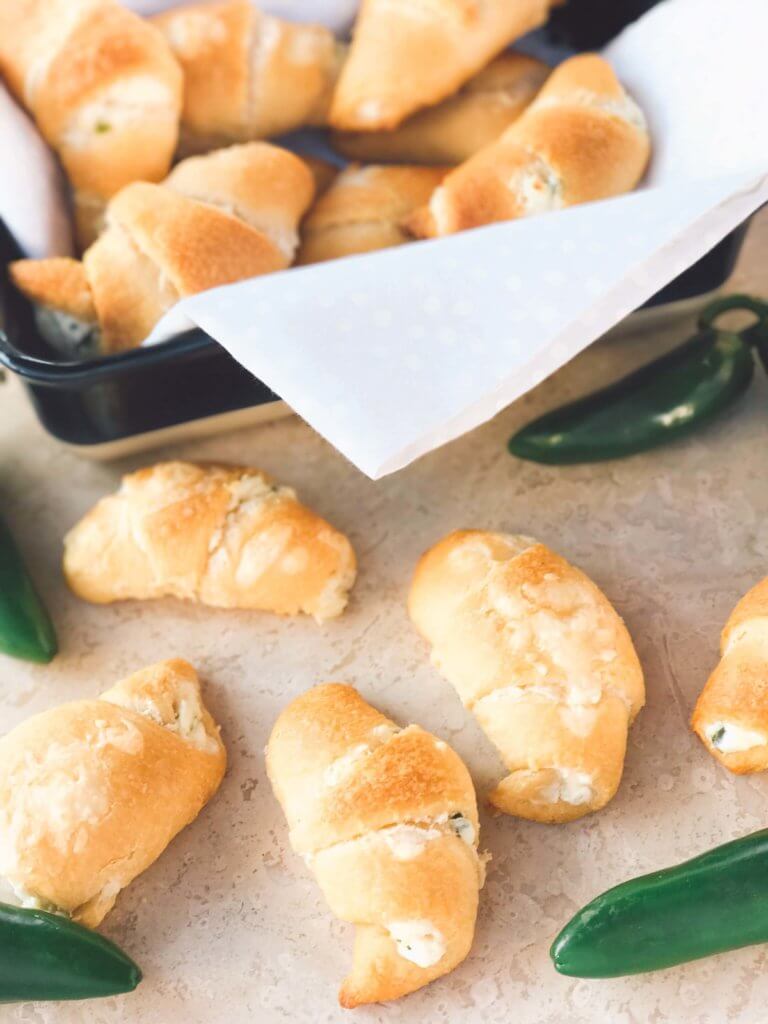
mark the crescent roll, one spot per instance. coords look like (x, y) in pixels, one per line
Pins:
(216, 219)
(459, 126)
(386, 820)
(92, 792)
(361, 211)
(409, 54)
(731, 714)
(583, 138)
(226, 536)
(541, 658)
(104, 89)
(248, 75)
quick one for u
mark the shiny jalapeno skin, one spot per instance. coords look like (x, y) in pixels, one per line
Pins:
(658, 403)
(26, 630)
(45, 956)
(715, 902)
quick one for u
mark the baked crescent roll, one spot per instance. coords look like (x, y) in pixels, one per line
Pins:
(731, 714)
(541, 658)
(226, 536)
(386, 819)
(362, 210)
(583, 138)
(215, 219)
(456, 128)
(92, 792)
(248, 75)
(409, 54)
(104, 90)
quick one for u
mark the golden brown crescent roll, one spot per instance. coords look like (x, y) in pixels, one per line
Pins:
(104, 89)
(386, 819)
(248, 75)
(731, 714)
(362, 210)
(216, 219)
(92, 792)
(226, 536)
(409, 54)
(456, 128)
(541, 658)
(583, 138)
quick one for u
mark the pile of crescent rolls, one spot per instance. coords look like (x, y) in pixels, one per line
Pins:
(449, 129)
(385, 816)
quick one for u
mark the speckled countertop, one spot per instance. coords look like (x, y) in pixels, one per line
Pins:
(228, 925)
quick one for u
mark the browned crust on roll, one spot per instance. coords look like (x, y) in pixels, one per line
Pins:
(248, 75)
(582, 139)
(363, 209)
(104, 89)
(537, 653)
(353, 786)
(58, 283)
(92, 792)
(409, 54)
(455, 129)
(225, 536)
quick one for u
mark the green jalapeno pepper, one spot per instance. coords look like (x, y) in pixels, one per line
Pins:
(26, 630)
(658, 403)
(715, 902)
(46, 956)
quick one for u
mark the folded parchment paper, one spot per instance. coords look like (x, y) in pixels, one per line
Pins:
(392, 354)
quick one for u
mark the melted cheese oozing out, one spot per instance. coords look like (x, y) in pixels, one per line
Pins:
(407, 842)
(418, 941)
(538, 188)
(571, 787)
(463, 828)
(66, 333)
(187, 722)
(342, 767)
(732, 739)
(140, 99)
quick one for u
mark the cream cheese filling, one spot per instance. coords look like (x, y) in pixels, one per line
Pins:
(418, 940)
(570, 787)
(341, 768)
(729, 738)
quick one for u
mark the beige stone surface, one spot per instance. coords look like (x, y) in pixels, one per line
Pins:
(228, 925)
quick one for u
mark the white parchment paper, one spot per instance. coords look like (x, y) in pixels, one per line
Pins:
(392, 354)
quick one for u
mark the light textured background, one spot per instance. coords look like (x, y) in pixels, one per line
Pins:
(228, 925)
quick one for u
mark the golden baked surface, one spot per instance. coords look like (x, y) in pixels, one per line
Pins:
(455, 129)
(225, 536)
(409, 54)
(362, 210)
(92, 792)
(386, 819)
(539, 655)
(582, 139)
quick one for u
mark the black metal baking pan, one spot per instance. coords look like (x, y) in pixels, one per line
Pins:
(100, 401)
(104, 400)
